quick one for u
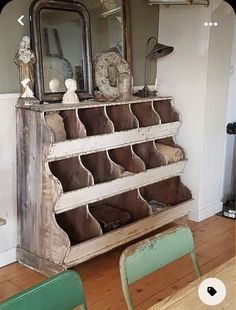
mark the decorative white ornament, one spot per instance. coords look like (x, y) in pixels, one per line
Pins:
(70, 96)
(28, 93)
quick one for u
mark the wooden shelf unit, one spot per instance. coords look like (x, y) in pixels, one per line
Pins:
(109, 157)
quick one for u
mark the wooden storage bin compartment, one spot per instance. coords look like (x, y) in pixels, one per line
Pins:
(146, 114)
(109, 217)
(78, 223)
(122, 117)
(166, 111)
(160, 192)
(171, 151)
(107, 156)
(71, 173)
(126, 157)
(73, 126)
(102, 167)
(150, 155)
(96, 121)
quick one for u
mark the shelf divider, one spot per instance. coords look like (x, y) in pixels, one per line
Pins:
(90, 194)
(94, 144)
(87, 250)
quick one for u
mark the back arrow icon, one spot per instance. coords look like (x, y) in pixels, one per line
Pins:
(20, 20)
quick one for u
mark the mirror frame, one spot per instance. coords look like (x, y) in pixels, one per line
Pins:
(63, 5)
(127, 32)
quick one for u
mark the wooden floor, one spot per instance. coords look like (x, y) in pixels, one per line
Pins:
(215, 243)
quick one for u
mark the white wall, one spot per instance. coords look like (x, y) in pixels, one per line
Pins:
(11, 32)
(229, 171)
(8, 178)
(197, 76)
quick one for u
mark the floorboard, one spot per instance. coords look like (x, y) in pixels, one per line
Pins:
(215, 243)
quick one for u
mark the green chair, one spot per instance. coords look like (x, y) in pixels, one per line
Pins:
(142, 258)
(63, 291)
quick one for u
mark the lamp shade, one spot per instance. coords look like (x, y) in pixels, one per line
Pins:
(159, 50)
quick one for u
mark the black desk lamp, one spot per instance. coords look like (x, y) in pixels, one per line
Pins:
(158, 51)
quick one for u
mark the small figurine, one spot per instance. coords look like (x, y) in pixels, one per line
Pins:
(54, 85)
(25, 59)
(28, 92)
(70, 96)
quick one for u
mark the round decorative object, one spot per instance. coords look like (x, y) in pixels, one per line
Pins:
(102, 79)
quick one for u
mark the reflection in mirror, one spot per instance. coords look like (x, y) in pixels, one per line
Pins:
(107, 25)
(62, 54)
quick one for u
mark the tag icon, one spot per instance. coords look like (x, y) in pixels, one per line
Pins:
(211, 290)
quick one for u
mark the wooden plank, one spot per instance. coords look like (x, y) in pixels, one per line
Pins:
(47, 107)
(37, 263)
(189, 296)
(99, 143)
(2, 221)
(83, 196)
(97, 246)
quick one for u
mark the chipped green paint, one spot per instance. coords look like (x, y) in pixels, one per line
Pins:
(62, 292)
(144, 257)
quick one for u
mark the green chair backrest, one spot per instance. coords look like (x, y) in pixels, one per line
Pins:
(63, 291)
(142, 258)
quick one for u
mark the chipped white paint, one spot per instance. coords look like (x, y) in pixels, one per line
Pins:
(98, 143)
(86, 195)
(89, 104)
(97, 246)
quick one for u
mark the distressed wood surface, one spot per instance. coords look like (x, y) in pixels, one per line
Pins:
(96, 121)
(37, 191)
(104, 142)
(74, 199)
(161, 191)
(126, 157)
(131, 202)
(122, 117)
(166, 111)
(189, 295)
(150, 155)
(146, 114)
(97, 246)
(38, 263)
(73, 126)
(102, 167)
(47, 107)
(58, 182)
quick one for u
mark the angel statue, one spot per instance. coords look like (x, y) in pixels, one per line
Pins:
(25, 59)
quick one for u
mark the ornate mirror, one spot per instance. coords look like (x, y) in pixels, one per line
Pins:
(61, 41)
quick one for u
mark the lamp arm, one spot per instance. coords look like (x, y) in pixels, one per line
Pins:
(146, 58)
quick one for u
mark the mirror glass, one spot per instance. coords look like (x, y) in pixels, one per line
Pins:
(63, 49)
(107, 25)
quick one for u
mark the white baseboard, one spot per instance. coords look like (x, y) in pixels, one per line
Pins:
(203, 214)
(7, 257)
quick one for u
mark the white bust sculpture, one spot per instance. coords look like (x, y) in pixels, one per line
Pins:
(70, 96)
(54, 85)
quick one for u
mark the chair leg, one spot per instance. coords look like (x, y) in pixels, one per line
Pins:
(125, 287)
(127, 297)
(195, 263)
